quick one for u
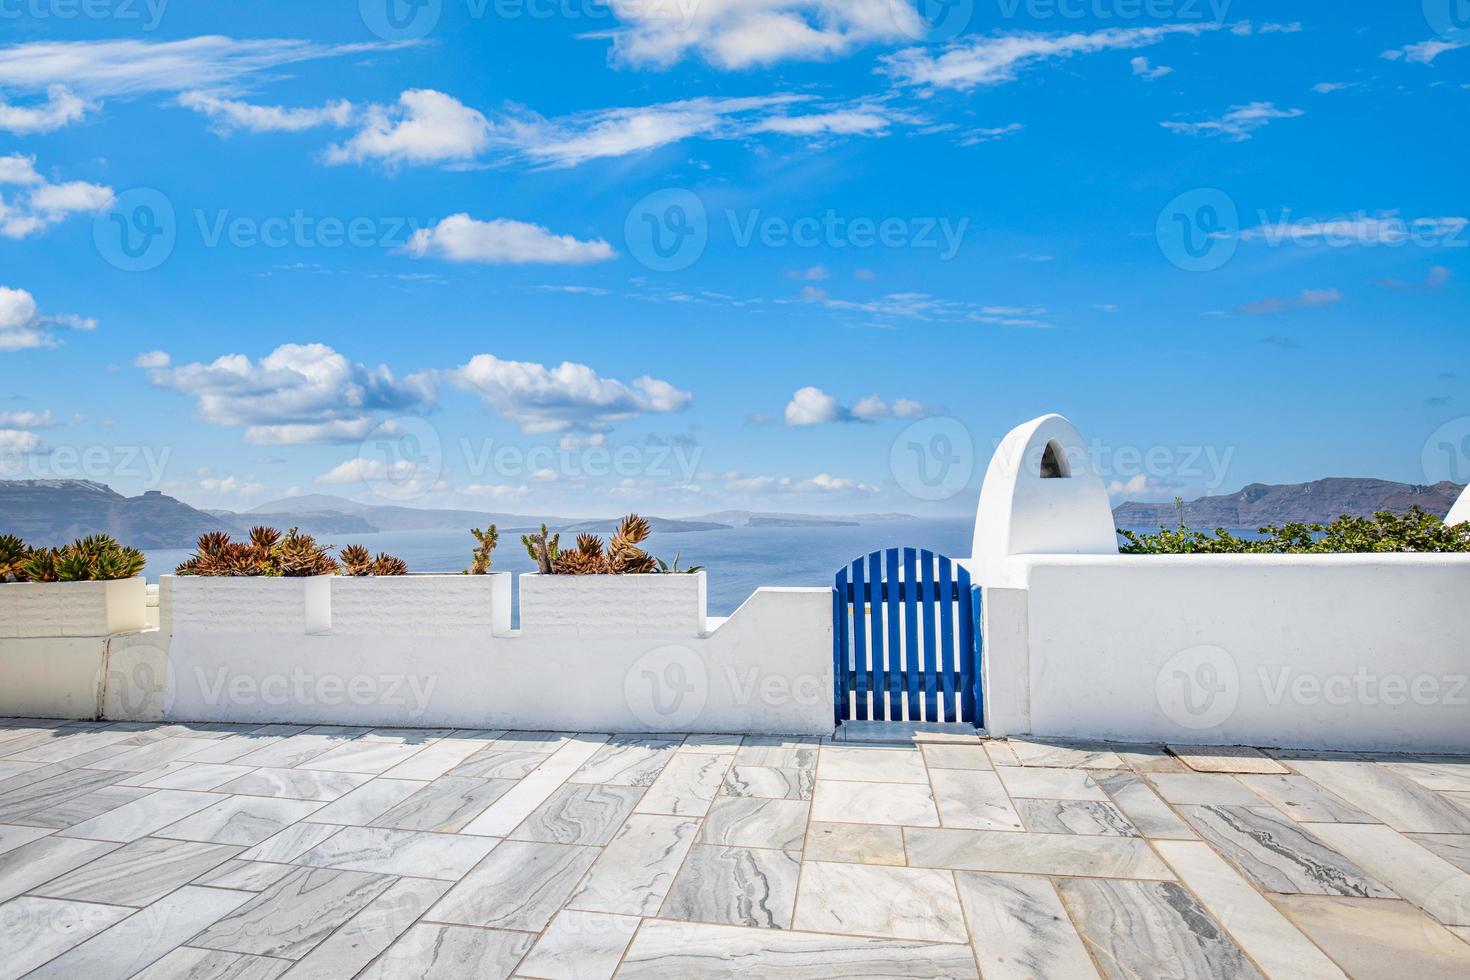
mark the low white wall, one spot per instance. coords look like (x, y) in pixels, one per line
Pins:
(1320, 651)
(51, 677)
(765, 670)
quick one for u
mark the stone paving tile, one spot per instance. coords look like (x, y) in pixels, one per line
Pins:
(664, 949)
(1227, 758)
(391, 852)
(738, 886)
(435, 952)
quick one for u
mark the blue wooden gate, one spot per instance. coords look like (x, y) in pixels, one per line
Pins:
(906, 640)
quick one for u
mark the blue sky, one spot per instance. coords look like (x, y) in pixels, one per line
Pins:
(579, 257)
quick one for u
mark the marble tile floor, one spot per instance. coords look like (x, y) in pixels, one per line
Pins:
(163, 852)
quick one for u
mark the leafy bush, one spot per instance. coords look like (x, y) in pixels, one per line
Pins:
(98, 558)
(358, 562)
(1384, 532)
(267, 554)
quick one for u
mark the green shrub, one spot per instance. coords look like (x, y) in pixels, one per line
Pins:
(1384, 532)
(98, 558)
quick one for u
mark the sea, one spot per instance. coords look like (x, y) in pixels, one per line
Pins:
(736, 560)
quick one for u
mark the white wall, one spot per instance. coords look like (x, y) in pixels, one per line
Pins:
(1320, 651)
(765, 670)
(1022, 513)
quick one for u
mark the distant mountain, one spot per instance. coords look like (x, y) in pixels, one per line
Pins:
(749, 518)
(1321, 501)
(52, 512)
(388, 517)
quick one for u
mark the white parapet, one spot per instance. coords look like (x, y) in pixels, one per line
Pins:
(421, 604)
(1364, 652)
(36, 609)
(612, 605)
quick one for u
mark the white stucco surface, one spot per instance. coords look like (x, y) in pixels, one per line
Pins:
(1460, 512)
(41, 609)
(1022, 512)
(1318, 651)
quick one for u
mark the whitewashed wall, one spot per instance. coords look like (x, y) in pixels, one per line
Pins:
(1319, 651)
(766, 670)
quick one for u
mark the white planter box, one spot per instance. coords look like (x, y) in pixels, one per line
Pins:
(613, 605)
(421, 605)
(72, 608)
(196, 603)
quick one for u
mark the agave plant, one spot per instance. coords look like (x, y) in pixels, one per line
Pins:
(98, 558)
(358, 562)
(267, 554)
(480, 559)
(622, 555)
(13, 555)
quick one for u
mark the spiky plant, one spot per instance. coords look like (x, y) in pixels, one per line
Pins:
(13, 555)
(486, 540)
(356, 560)
(543, 547)
(387, 565)
(40, 565)
(585, 559)
(299, 556)
(267, 554)
(624, 557)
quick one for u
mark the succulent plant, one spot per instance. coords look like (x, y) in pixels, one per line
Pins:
(98, 558)
(487, 540)
(267, 554)
(621, 556)
(358, 562)
(544, 548)
(13, 555)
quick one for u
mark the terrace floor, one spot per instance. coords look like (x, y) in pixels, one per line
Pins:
(168, 851)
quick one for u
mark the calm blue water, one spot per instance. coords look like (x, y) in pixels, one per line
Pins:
(737, 561)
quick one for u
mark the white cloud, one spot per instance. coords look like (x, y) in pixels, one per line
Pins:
(460, 238)
(975, 137)
(569, 396)
(232, 114)
(1327, 88)
(129, 67)
(842, 122)
(1237, 124)
(925, 308)
(24, 327)
(60, 109)
(152, 359)
(1142, 487)
(813, 406)
(1307, 299)
(1424, 52)
(1148, 72)
(402, 473)
(1385, 228)
(1245, 28)
(736, 34)
(41, 203)
(573, 139)
(975, 62)
(821, 483)
(299, 393)
(424, 127)
(16, 442)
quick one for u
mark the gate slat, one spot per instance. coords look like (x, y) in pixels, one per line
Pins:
(948, 663)
(976, 598)
(969, 662)
(859, 641)
(895, 667)
(911, 631)
(839, 647)
(926, 572)
(875, 640)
